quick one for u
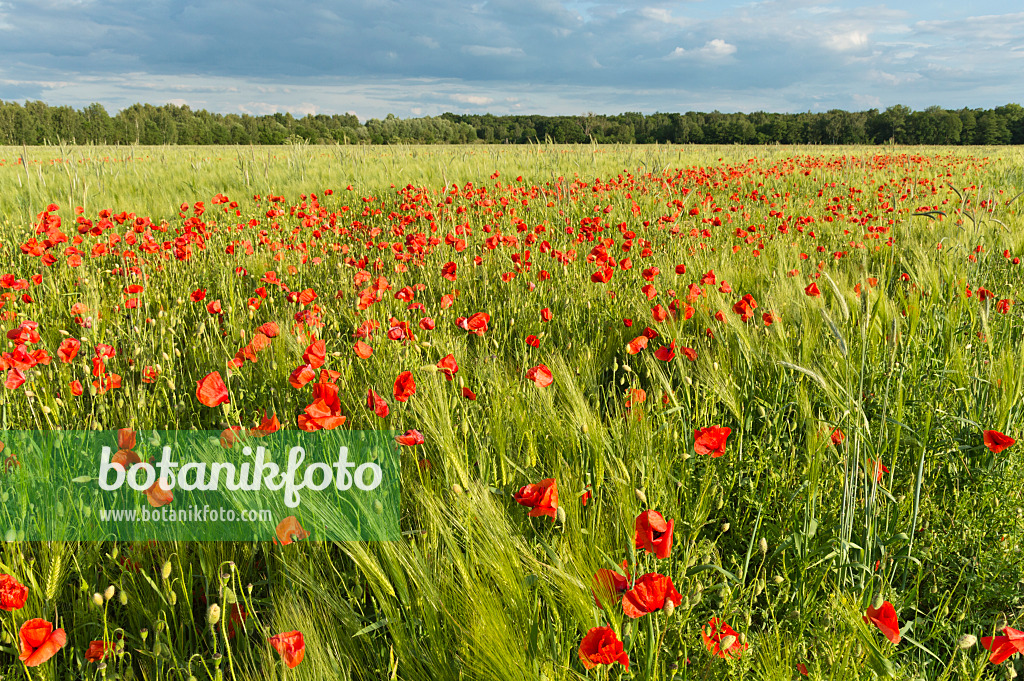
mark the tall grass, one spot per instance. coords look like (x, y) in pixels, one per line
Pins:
(788, 537)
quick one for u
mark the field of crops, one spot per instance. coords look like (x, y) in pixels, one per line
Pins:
(665, 413)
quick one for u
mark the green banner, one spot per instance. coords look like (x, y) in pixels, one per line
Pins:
(199, 486)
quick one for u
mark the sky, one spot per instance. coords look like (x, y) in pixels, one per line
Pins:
(425, 57)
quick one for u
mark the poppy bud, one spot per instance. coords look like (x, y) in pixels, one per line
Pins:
(174, 598)
(727, 642)
(725, 527)
(641, 497)
(457, 488)
(213, 614)
(878, 601)
(778, 579)
(166, 571)
(762, 545)
(97, 599)
(560, 514)
(158, 649)
(669, 607)
(967, 641)
(123, 598)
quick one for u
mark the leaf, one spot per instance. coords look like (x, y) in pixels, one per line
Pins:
(706, 566)
(371, 628)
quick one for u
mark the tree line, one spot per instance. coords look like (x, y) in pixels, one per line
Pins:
(35, 122)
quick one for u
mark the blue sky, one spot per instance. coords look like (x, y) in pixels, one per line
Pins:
(426, 57)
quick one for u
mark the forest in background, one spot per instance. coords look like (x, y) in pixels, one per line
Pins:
(36, 123)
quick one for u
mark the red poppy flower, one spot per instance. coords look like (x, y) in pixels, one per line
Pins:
(802, 668)
(812, 290)
(12, 593)
(211, 391)
(324, 412)
(666, 353)
(68, 349)
(540, 375)
(541, 497)
(468, 394)
(405, 386)
(1002, 647)
(545, 314)
(126, 438)
(649, 594)
(711, 440)
(722, 640)
(476, 323)
(158, 495)
(637, 344)
(214, 307)
(15, 379)
(289, 530)
(885, 619)
(533, 341)
(301, 376)
(449, 366)
(690, 353)
(270, 330)
(39, 641)
(363, 351)
(653, 534)
(376, 403)
(97, 650)
(315, 354)
(411, 438)
(878, 467)
(76, 388)
(608, 584)
(996, 441)
(198, 295)
(267, 426)
(602, 646)
(291, 646)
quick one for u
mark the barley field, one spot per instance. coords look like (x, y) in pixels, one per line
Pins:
(663, 412)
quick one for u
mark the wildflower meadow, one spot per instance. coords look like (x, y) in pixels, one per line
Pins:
(715, 412)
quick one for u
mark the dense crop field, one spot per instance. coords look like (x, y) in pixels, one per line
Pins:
(682, 413)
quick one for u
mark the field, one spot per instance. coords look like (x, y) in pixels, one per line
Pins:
(668, 413)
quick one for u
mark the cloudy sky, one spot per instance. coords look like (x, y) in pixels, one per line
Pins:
(425, 57)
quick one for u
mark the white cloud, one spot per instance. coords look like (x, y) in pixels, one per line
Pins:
(662, 15)
(718, 48)
(713, 49)
(849, 40)
(487, 51)
(478, 100)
